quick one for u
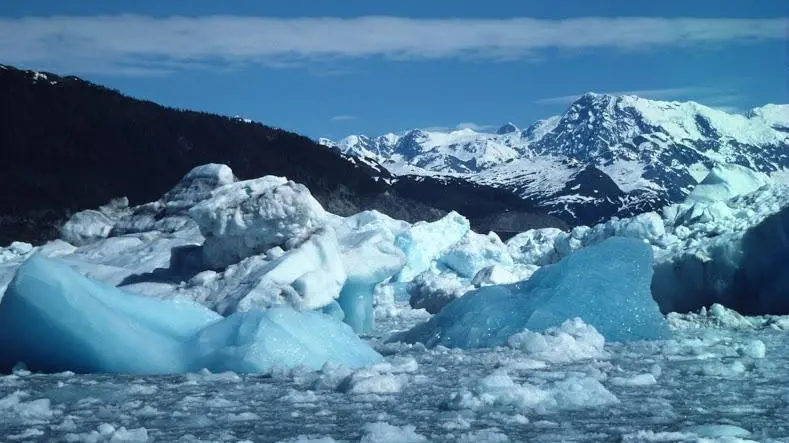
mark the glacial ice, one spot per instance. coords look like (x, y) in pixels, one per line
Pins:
(246, 218)
(259, 341)
(86, 227)
(432, 291)
(606, 285)
(535, 246)
(309, 276)
(54, 319)
(424, 242)
(572, 340)
(475, 252)
(369, 256)
(727, 244)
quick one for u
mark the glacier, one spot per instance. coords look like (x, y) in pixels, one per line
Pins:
(606, 285)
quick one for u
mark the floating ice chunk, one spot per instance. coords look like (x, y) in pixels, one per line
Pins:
(606, 285)
(535, 246)
(309, 276)
(424, 242)
(725, 182)
(484, 436)
(431, 291)
(380, 378)
(636, 380)
(382, 432)
(54, 319)
(367, 382)
(248, 217)
(475, 252)
(305, 439)
(643, 436)
(581, 392)
(14, 409)
(573, 340)
(499, 390)
(123, 435)
(753, 349)
(718, 431)
(717, 316)
(259, 341)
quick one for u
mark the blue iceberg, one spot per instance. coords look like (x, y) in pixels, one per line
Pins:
(369, 257)
(258, 341)
(607, 285)
(54, 319)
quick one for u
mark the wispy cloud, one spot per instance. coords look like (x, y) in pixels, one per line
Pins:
(342, 118)
(465, 125)
(725, 99)
(474, 126)
(646, 93)
(138, 44)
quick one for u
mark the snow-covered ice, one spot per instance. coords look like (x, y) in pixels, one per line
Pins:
(247, 218)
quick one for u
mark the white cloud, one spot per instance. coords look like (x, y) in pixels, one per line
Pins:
(341, 118)
(148, 45)
(474, 126)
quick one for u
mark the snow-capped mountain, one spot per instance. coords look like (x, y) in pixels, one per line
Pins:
(606, 155)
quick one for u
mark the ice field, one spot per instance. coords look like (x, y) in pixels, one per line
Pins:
(243, 311)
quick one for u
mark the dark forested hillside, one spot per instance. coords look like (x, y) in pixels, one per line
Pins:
(69, 144)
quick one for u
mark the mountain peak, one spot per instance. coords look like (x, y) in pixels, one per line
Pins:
(507, 128)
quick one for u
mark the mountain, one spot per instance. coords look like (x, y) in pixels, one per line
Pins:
(69, 144)
(604, 156)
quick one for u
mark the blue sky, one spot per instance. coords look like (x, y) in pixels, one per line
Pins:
(360, 66)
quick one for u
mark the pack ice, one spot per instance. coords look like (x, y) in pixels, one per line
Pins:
(54, 319)
(606, 285)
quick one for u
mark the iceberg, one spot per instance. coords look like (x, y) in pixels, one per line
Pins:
(475, 252)
(54, 319)
(431, 291)
(247, 218)
(606, 285)
(309, 276)
(424, 242)
(259, 341)
(535, 246)
(369, 257)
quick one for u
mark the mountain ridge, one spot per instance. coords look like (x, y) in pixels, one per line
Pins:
(653, 151)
